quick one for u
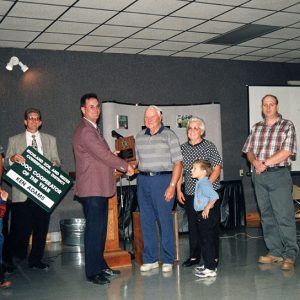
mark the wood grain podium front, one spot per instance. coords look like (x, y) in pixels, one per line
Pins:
(113, 254)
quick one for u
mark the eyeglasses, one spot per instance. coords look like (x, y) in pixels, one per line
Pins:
(190, 128)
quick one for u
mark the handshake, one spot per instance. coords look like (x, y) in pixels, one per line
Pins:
(131, 166)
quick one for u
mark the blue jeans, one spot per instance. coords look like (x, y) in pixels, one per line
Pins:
(274, 197)
(154, 209)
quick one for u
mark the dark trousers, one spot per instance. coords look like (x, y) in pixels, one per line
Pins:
(2, 276)
(208, 230)
(28, 218)
(1, 245)
(96, 215)
(192, 217)
(5, 231)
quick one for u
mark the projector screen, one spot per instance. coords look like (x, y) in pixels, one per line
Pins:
(128, 119)
(289, 108)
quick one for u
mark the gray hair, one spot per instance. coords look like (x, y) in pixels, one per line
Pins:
(200, 122)
(154, 107)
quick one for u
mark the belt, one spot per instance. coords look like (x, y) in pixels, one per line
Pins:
(155, 173)
(274, 169)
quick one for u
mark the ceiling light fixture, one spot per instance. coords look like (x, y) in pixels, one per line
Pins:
(242, 34)
(14, 61)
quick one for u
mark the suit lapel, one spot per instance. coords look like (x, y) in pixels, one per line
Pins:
(23, 142)
(45, 147)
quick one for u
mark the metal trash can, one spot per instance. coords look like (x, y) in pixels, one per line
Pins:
(72, 231)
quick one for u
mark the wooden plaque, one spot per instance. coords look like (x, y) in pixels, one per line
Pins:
(126, 146)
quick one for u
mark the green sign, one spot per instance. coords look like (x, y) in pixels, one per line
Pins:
(39, 180)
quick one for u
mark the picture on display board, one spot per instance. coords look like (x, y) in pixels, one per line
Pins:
(122, 122)
(182, 120)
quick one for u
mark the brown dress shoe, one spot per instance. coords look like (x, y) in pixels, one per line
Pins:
(269, 259)
(287, 264)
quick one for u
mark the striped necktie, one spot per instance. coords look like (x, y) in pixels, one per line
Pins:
(34, 143)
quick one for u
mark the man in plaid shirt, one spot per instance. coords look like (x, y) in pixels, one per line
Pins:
(268, 147)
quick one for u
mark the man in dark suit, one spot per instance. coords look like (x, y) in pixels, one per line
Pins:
(26, 216)
(95, 183)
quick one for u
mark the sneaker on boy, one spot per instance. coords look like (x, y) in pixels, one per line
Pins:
(206, 273)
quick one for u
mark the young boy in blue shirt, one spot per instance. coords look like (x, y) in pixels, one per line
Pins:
(208, 220)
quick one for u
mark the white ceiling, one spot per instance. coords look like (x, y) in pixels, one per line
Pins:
(152, 27)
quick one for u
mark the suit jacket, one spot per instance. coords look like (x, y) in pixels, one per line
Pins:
(95, 163)
(17, 144)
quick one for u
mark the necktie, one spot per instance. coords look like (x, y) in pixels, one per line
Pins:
(98, 129)
(34, 143)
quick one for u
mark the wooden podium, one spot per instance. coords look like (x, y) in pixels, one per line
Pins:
(113, 254)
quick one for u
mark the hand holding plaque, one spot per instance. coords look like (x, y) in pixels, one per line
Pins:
(126, 146)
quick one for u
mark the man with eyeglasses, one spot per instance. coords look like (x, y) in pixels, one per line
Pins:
(27, 217)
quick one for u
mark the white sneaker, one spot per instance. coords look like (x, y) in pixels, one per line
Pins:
(148, 267)
(202, 268)
(199, 268)
(206, 273)
(167, 267)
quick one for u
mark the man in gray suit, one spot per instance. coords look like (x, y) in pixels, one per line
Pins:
(26, 216)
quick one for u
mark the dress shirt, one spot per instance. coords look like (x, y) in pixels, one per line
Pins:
(264, 141)
(38, 140)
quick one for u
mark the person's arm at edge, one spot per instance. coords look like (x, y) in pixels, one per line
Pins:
(209, 205)
(180, 195)
(170, 191)
(257, 164)
(215, 173)
(278, 157)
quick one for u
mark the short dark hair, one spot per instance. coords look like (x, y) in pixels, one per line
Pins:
(32, 110)
(204, 165)
(87, 97)
(269, 95)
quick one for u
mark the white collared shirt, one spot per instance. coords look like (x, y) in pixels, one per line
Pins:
(37, 138)
(95, 125)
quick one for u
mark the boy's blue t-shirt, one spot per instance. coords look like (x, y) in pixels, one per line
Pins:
(204, 193)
